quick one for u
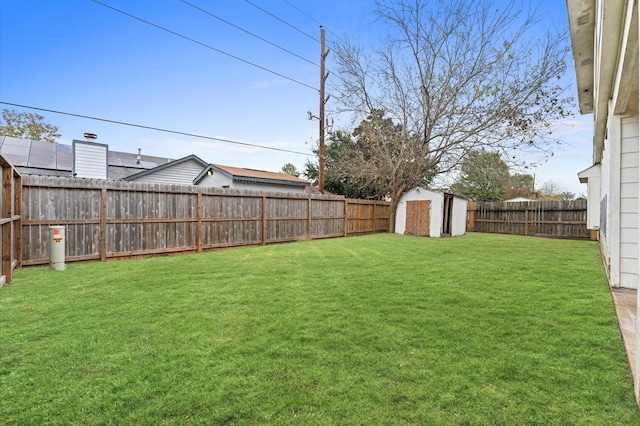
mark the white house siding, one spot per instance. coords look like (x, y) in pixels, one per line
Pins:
(605, 221)
(216, 180)
(613, 144)
(619, 201)
(180, 174)
(629, 202)
(269, 187)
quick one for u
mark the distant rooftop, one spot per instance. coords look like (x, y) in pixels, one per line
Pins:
(56, 159)
(261, 174)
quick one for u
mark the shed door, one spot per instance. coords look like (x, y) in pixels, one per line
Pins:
(447, 215)
(418, 218)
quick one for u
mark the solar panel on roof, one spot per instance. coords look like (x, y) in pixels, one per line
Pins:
(42, 155)
(131, 163)
(149, 164)
(8, 140)
(42, 161)
(117, 162)
(64, 160)
(17, 154)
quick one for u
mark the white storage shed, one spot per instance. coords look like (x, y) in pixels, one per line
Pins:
(431, 214)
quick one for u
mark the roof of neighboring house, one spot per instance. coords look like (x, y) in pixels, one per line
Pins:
(239, 174)
(123, 164)
(56, 159)
(167, 164)
(30, 156)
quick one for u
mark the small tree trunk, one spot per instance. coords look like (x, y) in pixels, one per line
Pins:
(393, 207)
(392, 216)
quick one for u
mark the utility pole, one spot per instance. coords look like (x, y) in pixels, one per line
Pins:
(323, 101)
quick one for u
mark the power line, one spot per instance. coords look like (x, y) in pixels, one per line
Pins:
(311, 17)
(308, 16)
(204, 45)
(249, 32)
(175, 132)
(282, 20)
(304, 13)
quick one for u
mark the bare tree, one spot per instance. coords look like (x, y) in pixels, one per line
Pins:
(454, 76)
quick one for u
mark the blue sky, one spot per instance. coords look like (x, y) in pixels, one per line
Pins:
(80, 57)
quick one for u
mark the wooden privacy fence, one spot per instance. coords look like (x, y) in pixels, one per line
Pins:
(557, 219)
(117, 219)
(10, 219)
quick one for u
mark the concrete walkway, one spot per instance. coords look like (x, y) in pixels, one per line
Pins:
(626, 302)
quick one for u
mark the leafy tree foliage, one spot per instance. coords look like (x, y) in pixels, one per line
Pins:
(567, 196)
(521, 185)
(371, 162)
(484, 176)
(452, 77)
(25, 125)
(290, 169)
(341, 148)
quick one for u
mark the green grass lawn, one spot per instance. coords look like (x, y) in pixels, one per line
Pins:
(382, 329)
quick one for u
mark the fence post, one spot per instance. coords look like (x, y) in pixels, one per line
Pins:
(199, 230)
(18, 212)
(103, 224)
(373, 218)
(7, 198)
(264, 220)
(346, 219)
(309, 218)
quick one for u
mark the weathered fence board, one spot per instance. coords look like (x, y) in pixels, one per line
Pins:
(557, 219)
(10, 220)
(115, 219)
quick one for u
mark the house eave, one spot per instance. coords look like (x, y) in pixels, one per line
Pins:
(582, 25)
(596, 58)
(590, 172)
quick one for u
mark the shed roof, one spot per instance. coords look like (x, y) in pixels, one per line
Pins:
(434, 191)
